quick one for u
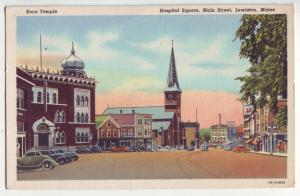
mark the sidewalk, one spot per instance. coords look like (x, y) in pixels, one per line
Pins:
(268, 153)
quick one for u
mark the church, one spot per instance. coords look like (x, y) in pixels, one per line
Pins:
(167, 127)
(55, 108)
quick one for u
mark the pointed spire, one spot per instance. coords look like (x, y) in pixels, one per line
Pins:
(73, 51)
(172, 80)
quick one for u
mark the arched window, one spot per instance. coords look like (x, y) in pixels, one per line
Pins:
(78, 137)
(86, 101)
(82, 117)
(54, 98)
(77, 100)
(57, 116)
(82, 100)
(86, 137)
(60, 137)
(39, 97)
(47, 97)
(86, 117)
(62, 116)
(78, 117)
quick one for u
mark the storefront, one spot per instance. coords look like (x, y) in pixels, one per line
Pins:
(274, 142)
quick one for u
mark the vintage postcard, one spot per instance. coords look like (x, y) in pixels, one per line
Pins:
(166, 96)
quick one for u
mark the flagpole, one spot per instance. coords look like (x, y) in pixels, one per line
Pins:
(41, 60)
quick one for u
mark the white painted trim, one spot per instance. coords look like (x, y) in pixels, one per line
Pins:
(25, 80)
(22, 109)
(81, 123)
(114, 122)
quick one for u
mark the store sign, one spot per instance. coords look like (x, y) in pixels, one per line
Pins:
(248, 109)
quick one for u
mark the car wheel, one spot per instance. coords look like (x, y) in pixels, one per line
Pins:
(47, 165)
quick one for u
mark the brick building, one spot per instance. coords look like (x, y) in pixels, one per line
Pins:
(60, 105)
(133, 130)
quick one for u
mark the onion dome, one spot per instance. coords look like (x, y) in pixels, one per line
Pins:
(73, 65)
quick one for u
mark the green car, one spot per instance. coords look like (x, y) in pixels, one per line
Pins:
(35, 160)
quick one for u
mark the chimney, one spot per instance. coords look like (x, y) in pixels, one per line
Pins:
(219, 119)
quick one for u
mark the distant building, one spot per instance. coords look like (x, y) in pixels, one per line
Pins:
(191, 133)
(60, 106)
(219, 134)
(231, 132)
(133, 130)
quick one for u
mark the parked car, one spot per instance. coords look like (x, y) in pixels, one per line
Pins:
(191, 148)
(228, 147)
(241, 148)
(204, 147)
(132, 149)
(35, 160)
(82, 149)
(96, 148)
(57, 157)
(119, 149)
(72, 155)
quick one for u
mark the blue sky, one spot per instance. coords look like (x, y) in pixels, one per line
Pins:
(132, 52)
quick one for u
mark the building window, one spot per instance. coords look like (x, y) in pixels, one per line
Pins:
(20, 98)
(82, 135)
(108, 123)
(78, 117)
(140, 121)
(108, 133)
(54, 98)
(39, 97)
(147, 121)
(82, 100)
(47, 97)
(20, 126)
(86, 119)
(115, 133)
(130, 133)
(86, 101)
(60, 137)
(82, 117)
(103, 133)
(139, 132)
(123, 133)
(77, 100)
(62, 116)
(57, 116)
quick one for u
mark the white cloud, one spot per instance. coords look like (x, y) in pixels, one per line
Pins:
(142, 64)
(161, 44)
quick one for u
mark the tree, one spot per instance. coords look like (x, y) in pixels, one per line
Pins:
(205, 134)
(264, 43)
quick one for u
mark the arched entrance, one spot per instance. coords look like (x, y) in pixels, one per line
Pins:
(43, 134)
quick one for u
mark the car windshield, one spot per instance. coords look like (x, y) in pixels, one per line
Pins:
(45, 152)
(60, 151)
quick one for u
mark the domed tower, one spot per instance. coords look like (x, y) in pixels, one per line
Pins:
(73, 65)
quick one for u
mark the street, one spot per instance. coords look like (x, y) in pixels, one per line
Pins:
(215, 163)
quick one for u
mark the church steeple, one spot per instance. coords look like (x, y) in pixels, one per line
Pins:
(172, 80)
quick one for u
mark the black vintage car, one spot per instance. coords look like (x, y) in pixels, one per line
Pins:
(95, 149)
(57, 157)
(72, 155)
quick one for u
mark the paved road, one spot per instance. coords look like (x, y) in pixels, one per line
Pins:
(166, 165)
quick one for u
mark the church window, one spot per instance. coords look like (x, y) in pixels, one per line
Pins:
(20, 98)
(82, 117)
(77, 100)
(82, 100)
(60, 137)
(86, 101)
(86, 117)
(57, 116)
(78, 117)
(39, 97)
(54, 98)
(82, 135)
(62, 116)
